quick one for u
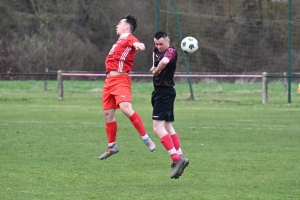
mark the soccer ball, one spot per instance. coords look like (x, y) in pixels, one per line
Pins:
(189, 44)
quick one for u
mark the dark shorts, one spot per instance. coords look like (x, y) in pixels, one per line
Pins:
(163, 104)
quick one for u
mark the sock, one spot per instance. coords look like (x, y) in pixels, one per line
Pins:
(176, 142)
(111, 132)
(138, 124)
(145, 136)
(167, 142)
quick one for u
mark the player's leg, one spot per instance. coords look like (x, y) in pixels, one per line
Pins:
(176, 141)
(111, 127)
(165, 139)
(179, 163)
(122, 94)
(137, 122)
(162, 102)
(175, 138)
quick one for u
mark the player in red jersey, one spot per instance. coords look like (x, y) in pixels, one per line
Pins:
(116, 92)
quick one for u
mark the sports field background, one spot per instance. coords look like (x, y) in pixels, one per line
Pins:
(238, 148)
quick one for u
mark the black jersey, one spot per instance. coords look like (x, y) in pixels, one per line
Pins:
(166, 76)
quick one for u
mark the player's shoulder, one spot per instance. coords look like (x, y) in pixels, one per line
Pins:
(131, 39)
(130, 36)
(171, 50)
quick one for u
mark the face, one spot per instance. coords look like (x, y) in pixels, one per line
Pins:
(162, 44)
(122, 27)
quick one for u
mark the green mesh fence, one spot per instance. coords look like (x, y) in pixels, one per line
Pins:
(235, 36)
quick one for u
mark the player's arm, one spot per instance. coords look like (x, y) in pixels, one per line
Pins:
(139, 46)
(161, 65)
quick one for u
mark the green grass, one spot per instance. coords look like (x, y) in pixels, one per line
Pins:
(238, 148)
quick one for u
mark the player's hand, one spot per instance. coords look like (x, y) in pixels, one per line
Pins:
(156, 73)
(139, 46)
(152, 69)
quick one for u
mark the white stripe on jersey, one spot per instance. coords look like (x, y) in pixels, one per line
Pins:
(123, 56)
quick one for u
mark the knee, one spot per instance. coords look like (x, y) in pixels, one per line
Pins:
(108, 116)
(126, 108)
(155, 129)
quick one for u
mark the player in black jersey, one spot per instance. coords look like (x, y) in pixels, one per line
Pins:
(163, 97)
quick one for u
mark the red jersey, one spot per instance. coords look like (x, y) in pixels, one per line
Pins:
(121, 55)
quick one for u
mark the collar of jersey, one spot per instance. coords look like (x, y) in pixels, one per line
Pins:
(123, 35)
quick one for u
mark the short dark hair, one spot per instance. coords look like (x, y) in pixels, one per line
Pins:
(132, 21)
(160, 34)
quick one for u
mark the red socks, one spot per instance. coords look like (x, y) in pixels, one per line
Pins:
(167, 142)
(138, 124)
(111, 131)
(112, 127)
(176, 142)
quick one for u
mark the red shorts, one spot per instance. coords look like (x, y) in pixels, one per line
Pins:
(116, 89)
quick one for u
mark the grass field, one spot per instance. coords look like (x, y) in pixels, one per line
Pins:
(238, 148)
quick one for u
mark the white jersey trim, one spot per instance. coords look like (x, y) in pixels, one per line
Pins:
(123, 57)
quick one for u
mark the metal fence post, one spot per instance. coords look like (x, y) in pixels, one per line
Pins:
(285, 82)
(45, 79)
(264, 88)
(60, 85)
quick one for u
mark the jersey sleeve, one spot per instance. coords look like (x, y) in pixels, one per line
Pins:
(131, 40)
(170, 54)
